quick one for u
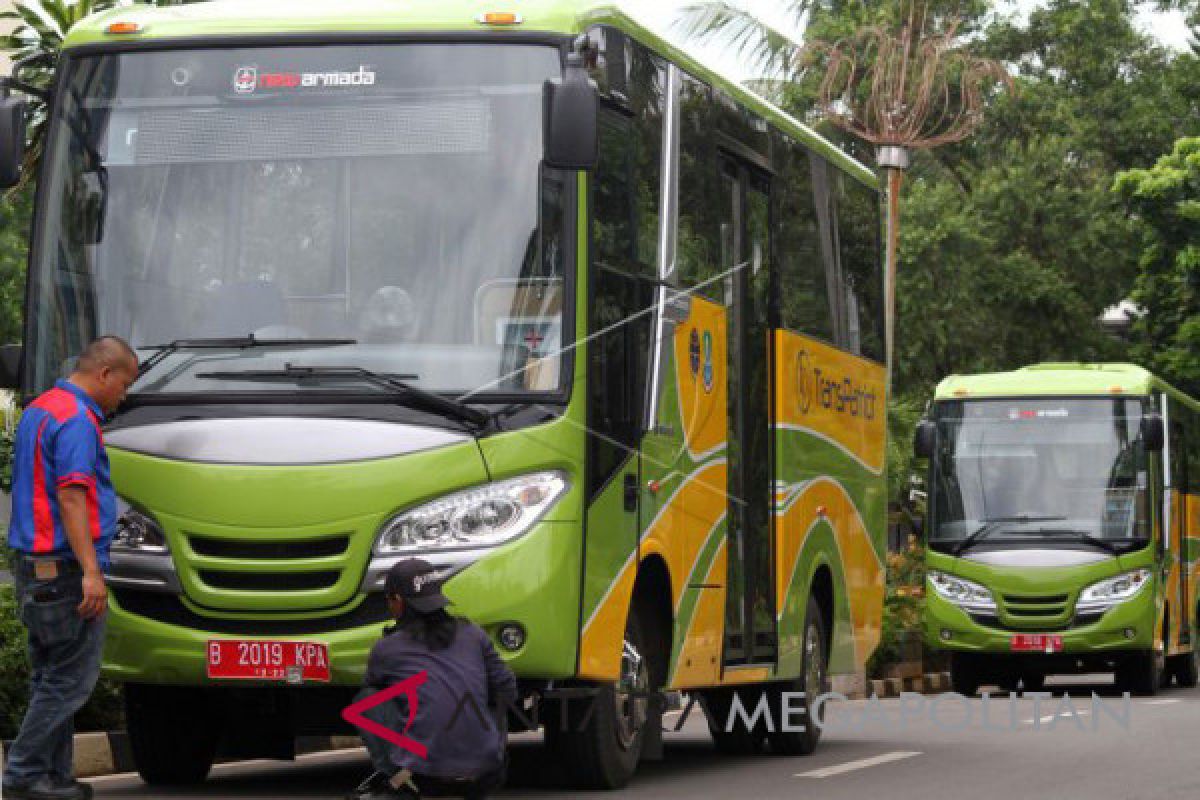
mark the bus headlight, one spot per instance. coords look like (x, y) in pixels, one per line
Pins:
(137, 532)
(963, 593)
(1107, 593)
(481, 517)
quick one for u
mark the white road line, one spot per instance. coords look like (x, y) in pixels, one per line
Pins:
(251, 763)
(862, 763)
(1164, 701)
(1064, 715)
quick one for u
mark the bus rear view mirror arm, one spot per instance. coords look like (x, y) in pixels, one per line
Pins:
(924, 439)
(571, 118)
(1153, 432)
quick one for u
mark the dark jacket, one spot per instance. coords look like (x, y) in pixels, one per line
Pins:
(454, 718)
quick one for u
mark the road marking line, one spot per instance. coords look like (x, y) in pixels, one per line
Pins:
(862, 763)
(1165, 701)
(1064, 715)
(254, 762)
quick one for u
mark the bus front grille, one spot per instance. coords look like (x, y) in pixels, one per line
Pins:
(1035, 610)
(282, 550)
(270, 581)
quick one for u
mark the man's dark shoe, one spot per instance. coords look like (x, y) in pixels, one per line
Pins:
(47, 789)
(86, 788)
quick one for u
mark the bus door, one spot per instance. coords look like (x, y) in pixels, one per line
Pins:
(1177, 452)
(750, 634)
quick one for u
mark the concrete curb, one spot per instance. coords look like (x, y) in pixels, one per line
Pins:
(929, 683)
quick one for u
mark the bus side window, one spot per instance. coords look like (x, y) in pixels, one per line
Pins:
(703, 207)
(858, 233)
(625, 200)
(803, 296)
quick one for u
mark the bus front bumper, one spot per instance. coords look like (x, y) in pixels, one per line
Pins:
(508, 586)
(948, 627)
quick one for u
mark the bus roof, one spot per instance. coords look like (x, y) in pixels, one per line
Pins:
(1071, 378)
(247, 18)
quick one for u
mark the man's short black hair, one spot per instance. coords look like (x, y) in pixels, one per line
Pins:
(107, 351)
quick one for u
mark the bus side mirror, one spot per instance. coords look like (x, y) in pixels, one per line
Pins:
(10, 366)
(572, 131)
(1153, 432)
(924, 439)
(12, 140)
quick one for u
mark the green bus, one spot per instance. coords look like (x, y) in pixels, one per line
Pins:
(529, 292)
(1062, 528)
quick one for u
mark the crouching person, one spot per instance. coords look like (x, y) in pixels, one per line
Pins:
(457, 714)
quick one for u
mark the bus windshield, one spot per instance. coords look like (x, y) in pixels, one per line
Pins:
(390, 197)
(1039, 471)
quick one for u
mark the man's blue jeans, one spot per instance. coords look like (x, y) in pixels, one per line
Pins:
(64, 652)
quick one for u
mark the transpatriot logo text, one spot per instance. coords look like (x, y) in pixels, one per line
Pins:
(247, 79)
(841, 394)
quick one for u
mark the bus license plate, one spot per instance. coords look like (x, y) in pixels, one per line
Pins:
(293, 662)
(1037, 643)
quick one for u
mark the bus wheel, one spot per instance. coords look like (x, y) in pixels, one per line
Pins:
(964, 674)
(601, 743)
(1141, 673)
(172, 733)
(813, 682)
(1187, 668)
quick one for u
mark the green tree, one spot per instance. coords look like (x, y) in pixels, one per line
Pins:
(1165, 200)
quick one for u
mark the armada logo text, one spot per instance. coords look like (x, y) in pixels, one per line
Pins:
(247, 79)
(841, 394)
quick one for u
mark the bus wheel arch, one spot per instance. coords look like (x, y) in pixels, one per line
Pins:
(652, 600)
(821, 591)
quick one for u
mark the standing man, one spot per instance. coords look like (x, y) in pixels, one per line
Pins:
(64, 515)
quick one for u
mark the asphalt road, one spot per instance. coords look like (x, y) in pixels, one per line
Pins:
(900, 748)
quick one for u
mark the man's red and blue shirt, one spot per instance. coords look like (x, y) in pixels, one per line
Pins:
(59, 443)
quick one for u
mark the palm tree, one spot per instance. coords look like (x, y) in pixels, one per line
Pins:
(905, 80)
(42, 26)
(38, 38)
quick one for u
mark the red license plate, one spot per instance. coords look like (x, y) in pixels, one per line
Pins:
(1037, 643)
(293, 662)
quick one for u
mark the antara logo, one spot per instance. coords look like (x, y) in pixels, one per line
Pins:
(247, 79)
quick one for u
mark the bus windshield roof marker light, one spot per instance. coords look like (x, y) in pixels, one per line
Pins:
(124, 28)
(499, 18)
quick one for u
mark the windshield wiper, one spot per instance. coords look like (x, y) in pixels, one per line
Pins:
(975, 536)
(228, 343)
(990, 524)
(402, 392)
(1086, 538)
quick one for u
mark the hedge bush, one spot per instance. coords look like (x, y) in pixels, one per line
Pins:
(902, 606)
(102, 713)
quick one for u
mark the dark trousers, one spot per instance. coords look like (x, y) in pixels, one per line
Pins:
(390, 716)
(64, 653)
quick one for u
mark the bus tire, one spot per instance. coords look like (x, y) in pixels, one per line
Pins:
(964, 674)
(172, 733)
(601, 743)
(813, 682)
(1141, 673)
(1187, 668)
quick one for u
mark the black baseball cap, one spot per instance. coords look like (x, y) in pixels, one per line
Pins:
(419, 583)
